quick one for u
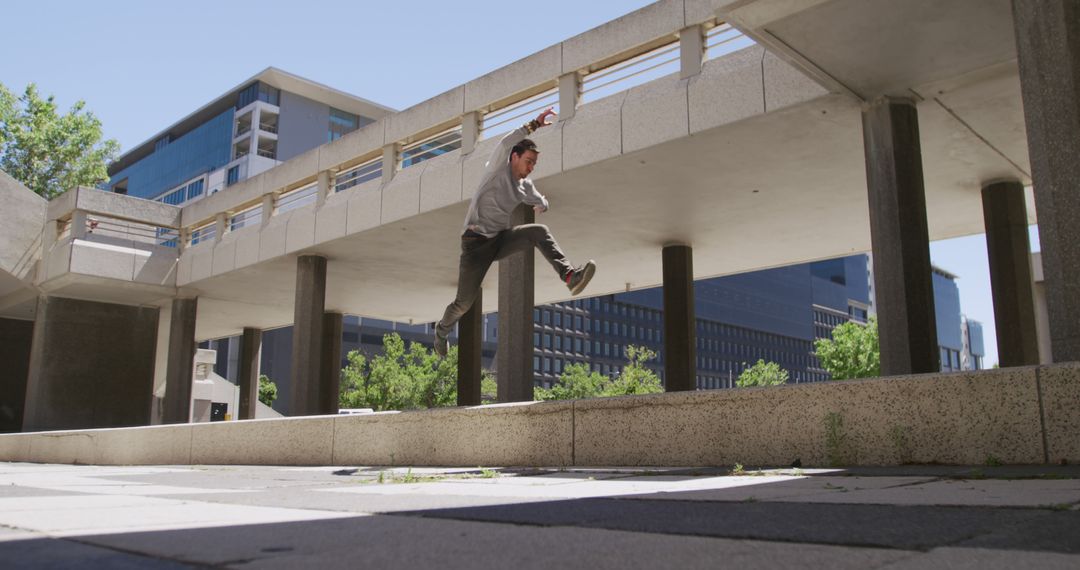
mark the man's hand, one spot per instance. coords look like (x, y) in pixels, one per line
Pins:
(539, 209)
(541, 120)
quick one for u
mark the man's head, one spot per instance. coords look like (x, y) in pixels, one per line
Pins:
(523, 158)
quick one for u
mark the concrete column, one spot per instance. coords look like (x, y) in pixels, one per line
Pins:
(176, 408)
(680, 332)
(330, 378)
(691, 51)
(470, 339)
(324, 190)
(516, 292)
(248, 375)
(470, 131)
(1007, 247)
(1048, 48)
(308, 335)
(91, 365)
(569, 95)
(899, 238)
(15, 343)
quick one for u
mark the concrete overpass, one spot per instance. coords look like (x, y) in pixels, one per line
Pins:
(764, 156)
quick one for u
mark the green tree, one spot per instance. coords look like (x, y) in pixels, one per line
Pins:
(400, 378)
(635, 378)
(762, 374)
(267, 390)
(577, 382)
(489, 388)
(48, 152)
(853, 351)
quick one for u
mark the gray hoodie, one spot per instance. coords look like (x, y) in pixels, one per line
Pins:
(498, 194)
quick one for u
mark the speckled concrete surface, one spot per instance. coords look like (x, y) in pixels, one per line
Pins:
(348, 516)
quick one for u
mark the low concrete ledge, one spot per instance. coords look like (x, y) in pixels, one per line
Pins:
(1014, 416)
(527, 433)
(959, 418)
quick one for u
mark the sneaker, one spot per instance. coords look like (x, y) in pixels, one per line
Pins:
(580, 277)
(442, 345)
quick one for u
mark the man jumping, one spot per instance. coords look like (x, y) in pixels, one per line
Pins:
(488, 235)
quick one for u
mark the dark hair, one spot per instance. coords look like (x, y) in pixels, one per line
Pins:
(526, 144)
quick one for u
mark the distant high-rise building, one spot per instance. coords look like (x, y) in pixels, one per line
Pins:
(261, 123)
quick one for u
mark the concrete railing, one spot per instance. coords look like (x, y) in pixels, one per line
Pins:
(103, 234)
(1012, 416)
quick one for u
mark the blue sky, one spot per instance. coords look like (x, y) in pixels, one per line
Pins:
(140, 66)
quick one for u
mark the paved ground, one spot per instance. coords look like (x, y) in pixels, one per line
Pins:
(61, 516)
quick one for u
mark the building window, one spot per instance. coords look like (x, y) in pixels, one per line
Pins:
(233, 176)
(341, 123)
(558, 319)
(547, 341)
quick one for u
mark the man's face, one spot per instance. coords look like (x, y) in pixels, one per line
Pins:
(523, 164)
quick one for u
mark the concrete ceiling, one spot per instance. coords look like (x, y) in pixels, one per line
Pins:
(878, 47)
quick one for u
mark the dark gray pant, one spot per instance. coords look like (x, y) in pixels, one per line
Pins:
(478, 253)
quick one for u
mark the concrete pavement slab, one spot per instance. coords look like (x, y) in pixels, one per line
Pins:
(47, 553)
(411, 542)
(855, 525)
(986, 559)
(986, 492)
(764, 488)
(71, 516)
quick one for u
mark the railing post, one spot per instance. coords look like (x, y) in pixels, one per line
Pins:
(691, 50)
(267, 208)
(389, 161)
(323, 188)
(219, 226)
(569, 95)
(470, 131)
(78, 224)
(184, 238)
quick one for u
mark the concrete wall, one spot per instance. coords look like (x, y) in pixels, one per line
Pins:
(1015, 416)
(21, 219)
(302, 125)
(91, 365)
(15, 340)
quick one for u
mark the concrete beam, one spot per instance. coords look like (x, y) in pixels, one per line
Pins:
(517, 287)
(1009, 254)
(1048, 49)
(680, 334)
(899, 238)
(248, 373)
(470, 339)
(176, 408)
